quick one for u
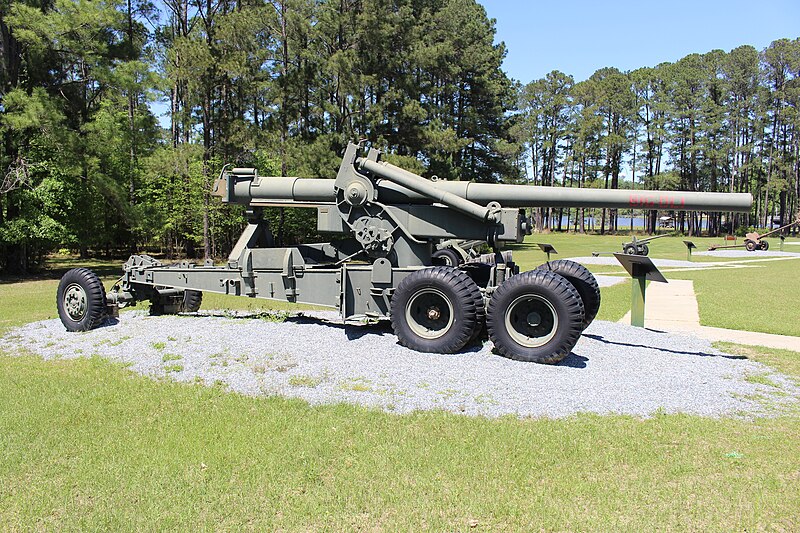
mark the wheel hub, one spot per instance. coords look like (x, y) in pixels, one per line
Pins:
(531, 321)
(75, 302)
(534, 319)
(429, 313)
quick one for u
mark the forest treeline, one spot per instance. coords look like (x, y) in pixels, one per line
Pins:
(116, 116)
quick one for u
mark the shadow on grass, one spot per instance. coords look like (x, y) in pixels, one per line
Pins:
(602, 339)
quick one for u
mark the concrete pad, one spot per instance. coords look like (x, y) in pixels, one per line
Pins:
(750, 338)
(608, 281)
(670, 307)
(673, 307)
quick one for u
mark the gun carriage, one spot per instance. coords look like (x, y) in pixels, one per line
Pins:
(384, 267)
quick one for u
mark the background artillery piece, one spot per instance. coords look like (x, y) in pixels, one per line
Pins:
(639, 246)
(755, 241)
(384, 267)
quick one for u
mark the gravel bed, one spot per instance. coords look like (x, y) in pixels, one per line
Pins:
(613, 369)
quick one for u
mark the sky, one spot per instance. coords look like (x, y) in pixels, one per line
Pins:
(580, 36)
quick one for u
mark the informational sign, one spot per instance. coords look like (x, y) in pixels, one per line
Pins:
(689, 247)
(547, 248)
(642, 270)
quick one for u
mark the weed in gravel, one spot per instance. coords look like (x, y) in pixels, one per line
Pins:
(171, 338)
(272, 316)
(485, 399)
(159, 345)
(285, 367)
(761, 379)
(260, 369)
(304, 381)
(448, 393)
(171, 357)
(356, 385)
(119, 341)
(173, 368)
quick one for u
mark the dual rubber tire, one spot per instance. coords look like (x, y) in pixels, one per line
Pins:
(536, 316)
(583, 281)
(437, 310)
(81, 300)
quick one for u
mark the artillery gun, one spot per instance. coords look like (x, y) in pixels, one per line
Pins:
(639, 246)
(755, 241)
(383, 267)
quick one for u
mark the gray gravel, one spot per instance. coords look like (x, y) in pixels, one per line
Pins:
(614, 368)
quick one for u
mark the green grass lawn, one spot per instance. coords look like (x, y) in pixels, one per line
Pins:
(87, 445)
(762, 298)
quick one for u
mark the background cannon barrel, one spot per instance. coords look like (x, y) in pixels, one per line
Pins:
(294, 191)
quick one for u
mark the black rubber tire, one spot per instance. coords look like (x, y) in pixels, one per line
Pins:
(157, 308)
(565, 323)
(480, 318)
(446, 257)
(645, 250)
(630, 249)
(439, 284)
(192, 301)
(750, 246)
(188, 303)
(81, 285)
(583, 281)
(763, 245)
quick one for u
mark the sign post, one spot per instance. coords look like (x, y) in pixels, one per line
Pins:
(547, 248)
(689, 247)
(641, 270)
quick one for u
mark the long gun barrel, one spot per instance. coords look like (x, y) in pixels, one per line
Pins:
(398, 186)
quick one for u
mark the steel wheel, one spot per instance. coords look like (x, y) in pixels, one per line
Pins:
(531, 321)
(763, 245)
(429, 313)
(75, 302)
(750, 246)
